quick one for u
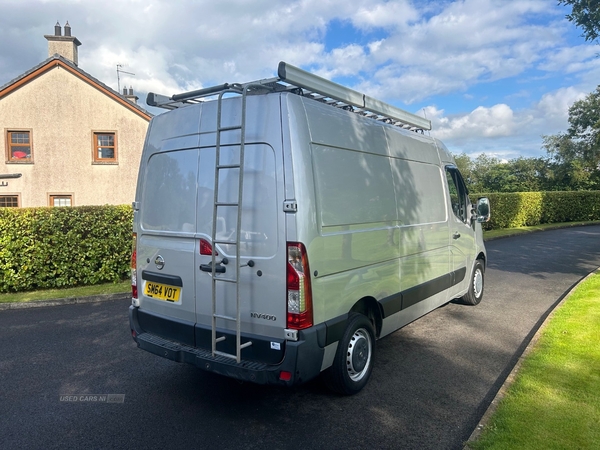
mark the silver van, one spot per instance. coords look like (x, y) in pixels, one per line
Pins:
(282, 226)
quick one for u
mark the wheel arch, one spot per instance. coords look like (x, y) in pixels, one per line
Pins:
(370, 308)
(481, 257)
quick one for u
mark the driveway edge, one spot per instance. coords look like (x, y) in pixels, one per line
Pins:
(513, 373)
(65, 301)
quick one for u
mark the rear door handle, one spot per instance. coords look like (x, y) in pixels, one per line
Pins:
(208, 268)
(456, 235)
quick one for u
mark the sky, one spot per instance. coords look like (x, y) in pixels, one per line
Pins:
(493, 76)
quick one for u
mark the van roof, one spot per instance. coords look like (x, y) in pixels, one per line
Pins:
(298, 81)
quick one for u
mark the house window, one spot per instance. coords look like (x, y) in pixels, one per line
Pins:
(9, 201)
(104, 147)
(19, 147)
(61, 200)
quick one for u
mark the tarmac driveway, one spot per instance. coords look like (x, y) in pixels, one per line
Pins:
(433, 380)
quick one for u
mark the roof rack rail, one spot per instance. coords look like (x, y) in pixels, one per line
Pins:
(293, 79)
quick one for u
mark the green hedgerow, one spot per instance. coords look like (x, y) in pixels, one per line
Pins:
(62, 247)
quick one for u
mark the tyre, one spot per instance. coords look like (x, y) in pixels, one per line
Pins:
(353, 362)
(475, 293)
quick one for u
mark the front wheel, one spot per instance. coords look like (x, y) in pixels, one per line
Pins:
(353, 362)
(475, 293)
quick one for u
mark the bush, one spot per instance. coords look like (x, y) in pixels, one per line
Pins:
(44, 248)
(521, 209)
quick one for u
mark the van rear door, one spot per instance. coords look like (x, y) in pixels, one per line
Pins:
(262, 277)
(166, 243)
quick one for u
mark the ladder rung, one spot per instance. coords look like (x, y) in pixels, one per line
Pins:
(230, 355)
(236, 127)
(226, 280)
(229, 166)
(227, 355)
(219, 316)
(225, 242)
(220, 339)
(226, 204)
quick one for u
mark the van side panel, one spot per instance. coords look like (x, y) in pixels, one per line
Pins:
(381, 215)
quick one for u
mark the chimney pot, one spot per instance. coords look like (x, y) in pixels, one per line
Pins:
(130, 90)
(125, 91)
(65, 46)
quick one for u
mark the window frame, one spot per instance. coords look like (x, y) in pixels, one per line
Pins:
(95, 147)
(53, 196)
(17, 196)
(453, 174)
(9, 145)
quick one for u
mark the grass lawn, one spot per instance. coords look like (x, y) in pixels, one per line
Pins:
(554, 402)
(83, 291)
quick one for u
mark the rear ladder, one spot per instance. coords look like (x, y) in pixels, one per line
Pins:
(217, 206)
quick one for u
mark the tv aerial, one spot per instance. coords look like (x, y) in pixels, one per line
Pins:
(119, 72)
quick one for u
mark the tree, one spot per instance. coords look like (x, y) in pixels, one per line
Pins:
(569, 168)
(585, 14)
(584, 118)
(489, 174)
(574, 156)
(465, 166)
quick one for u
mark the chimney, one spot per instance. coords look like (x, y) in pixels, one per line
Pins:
(65, 46)
(130, 96)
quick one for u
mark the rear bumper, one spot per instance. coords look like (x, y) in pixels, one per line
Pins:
(302, 358)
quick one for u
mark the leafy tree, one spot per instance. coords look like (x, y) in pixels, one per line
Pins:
(529, 175)
(574, 156)
(569, 166)
(584, 118)
(585, 14)
(465, 165)
(489, 174)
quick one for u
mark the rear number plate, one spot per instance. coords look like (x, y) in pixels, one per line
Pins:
(162, 291)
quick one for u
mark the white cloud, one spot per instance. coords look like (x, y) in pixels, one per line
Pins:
(385, 14)
(403, 51)
(502, 132)
(482, 122)
(551, 112)
(571, 59)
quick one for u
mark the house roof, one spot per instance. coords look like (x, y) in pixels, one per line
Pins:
(60, 61)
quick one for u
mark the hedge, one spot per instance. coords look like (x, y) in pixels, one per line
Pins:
(518, 209)
(44, 248)
(62, 247)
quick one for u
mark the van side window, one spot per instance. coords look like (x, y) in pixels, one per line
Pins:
(458, 193)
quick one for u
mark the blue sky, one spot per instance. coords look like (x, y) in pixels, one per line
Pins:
(492, 75)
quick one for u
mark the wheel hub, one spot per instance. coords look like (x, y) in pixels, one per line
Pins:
(358, 356)
(477, 283)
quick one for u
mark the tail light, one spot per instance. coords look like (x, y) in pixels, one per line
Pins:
(206, 248)
(134, 289)
(299, 293)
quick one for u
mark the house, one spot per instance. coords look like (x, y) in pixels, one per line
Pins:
(68, 139)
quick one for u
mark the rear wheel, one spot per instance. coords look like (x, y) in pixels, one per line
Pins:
(353, 361)
(475, 293)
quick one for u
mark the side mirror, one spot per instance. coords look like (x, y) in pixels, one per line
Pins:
(483, 210)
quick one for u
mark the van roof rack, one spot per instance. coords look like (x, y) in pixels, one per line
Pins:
(299, 81)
